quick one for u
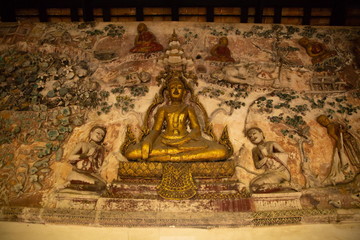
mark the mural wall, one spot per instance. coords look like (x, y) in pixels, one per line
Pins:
(110, 123)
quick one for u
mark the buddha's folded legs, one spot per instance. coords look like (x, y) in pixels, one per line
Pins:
(212, 152)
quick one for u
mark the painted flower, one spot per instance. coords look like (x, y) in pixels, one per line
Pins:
(33, 170)
(18, 187)
(53, 134)
(66, 111)
(62, 129)
(33, 178)
(65, 121)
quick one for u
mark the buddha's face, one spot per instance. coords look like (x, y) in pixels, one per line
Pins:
(223, 41)
(323, 120)
(177, 90)
(141, 27)
(303, 42)
(255, 136)
(97, 135)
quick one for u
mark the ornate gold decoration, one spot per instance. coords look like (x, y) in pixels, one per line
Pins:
(213, 169)
(155, 169)
(221, 196)
(287, 217)
(177, 182)
(293, 213)
(276, 221)
(224, 140)
(166, 138)
(140, 169)
(129, 139)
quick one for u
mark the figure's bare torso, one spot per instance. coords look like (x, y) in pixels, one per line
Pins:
(176, 118)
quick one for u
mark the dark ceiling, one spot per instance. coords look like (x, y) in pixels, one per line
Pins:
(338, 16)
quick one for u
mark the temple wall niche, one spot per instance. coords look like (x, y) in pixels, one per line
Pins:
(267, 120)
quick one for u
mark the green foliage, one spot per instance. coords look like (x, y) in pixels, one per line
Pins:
(285, 96)
(86, 25)
(329, 64)
(104, 108)
(348, 109)
(119, 90)
(7, 132)
(295, 121)
(340, 105)
(300, 109)
(276, 31)
(234, 104)
(308, 32)
(224, 31)
(318, 103)
(211, 92)
(217, 93)
(291, 114)
(276, 119)
(114, 31)
(110, 30)
(94, 32)
(285, 132)
(239, 92)
(125, 103)
(189, 35)
(139, 90)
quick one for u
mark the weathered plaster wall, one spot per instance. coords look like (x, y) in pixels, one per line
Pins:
(58, 81)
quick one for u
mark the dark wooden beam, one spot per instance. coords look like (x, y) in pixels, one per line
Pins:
(210, 14)
(74, 14)
(244, 14)
(338, 17)
(8, 12)
(175, 14)
(88, 11)
(43, 17)
(306, 16)
(338, 13)
(106, 14)
(139, 14)
(258, 13)
(277, 14)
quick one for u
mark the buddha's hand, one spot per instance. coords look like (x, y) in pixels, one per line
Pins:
(145, 149)
(177, 142)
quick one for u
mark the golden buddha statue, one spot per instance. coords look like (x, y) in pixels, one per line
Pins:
(169, 139)
(172, 146)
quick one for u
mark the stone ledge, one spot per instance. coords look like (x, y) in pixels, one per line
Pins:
(178, 219)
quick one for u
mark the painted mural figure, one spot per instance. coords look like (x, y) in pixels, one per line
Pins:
(346, 157)
(317, 51)
(272, 158)
(87, 159)
(145, 41)
(221, 52)
(175, 143)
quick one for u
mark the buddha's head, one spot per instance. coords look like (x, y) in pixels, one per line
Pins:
(323, 120)
(97, 134)
(141, 27)
(223, 41)
(176, 89)
(304, 42)
(255, 135)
